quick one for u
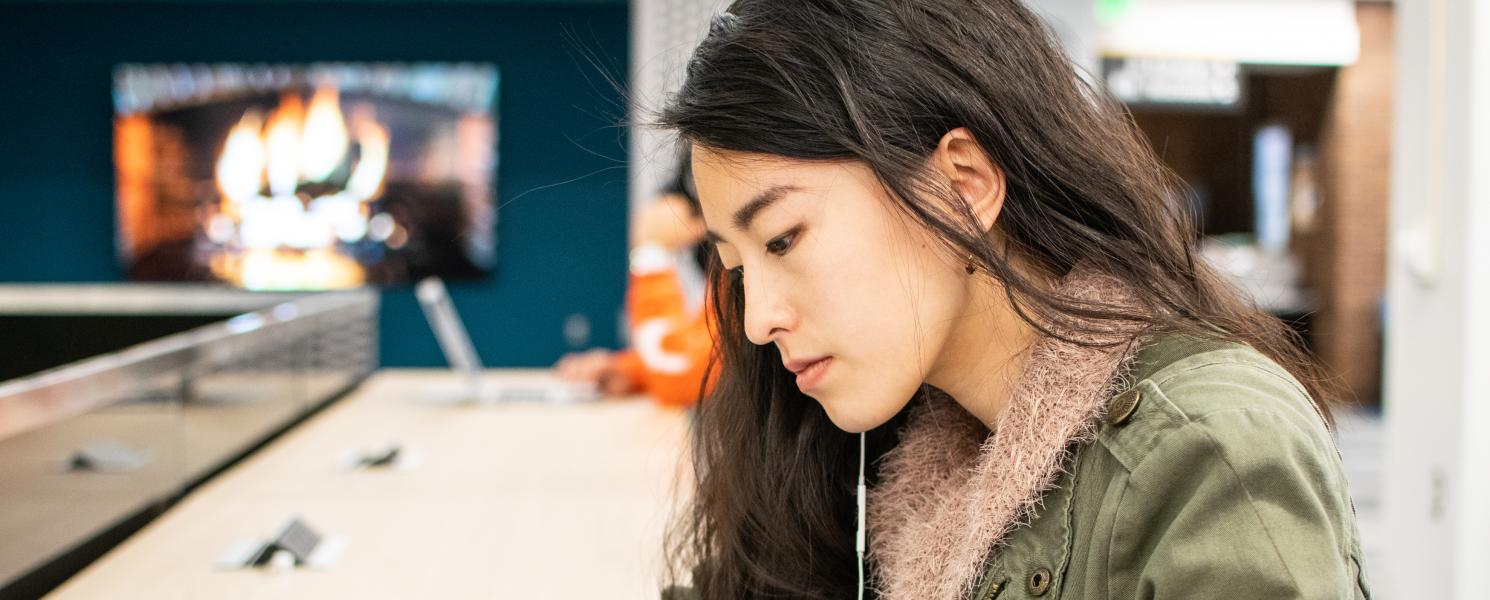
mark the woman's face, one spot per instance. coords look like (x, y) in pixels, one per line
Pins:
(835, 276)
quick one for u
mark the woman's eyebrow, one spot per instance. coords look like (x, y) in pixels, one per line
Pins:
(746, 214)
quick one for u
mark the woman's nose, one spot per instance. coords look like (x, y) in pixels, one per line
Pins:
(767, 314)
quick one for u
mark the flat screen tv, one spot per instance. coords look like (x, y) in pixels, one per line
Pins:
(305, 176)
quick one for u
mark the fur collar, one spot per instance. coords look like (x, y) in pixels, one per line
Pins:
(950, 493)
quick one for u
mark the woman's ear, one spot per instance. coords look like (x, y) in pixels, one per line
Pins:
(973, 175)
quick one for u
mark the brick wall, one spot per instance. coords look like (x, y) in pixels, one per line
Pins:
(1349, 262)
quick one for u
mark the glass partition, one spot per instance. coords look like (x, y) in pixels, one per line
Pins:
(90, 445)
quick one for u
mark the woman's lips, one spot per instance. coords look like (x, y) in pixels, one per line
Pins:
(811, 375)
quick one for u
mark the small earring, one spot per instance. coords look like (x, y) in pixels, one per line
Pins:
(972, 265)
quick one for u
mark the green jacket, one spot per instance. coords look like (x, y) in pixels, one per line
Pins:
(1213, 476)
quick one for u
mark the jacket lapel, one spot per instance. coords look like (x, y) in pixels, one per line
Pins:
(950, 492)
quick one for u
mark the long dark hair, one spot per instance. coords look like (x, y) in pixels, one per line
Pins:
(880, 82)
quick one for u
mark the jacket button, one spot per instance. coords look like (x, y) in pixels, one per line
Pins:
(1039, 582)
(1123, 406)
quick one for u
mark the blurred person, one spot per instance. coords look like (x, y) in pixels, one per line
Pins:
(953, 300)
(670, 343)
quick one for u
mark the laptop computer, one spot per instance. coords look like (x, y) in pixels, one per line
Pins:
(460, 353)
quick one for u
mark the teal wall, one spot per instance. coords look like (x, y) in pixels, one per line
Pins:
(561, 179)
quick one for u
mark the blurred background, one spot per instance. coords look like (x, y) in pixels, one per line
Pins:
(213, 214)
(122, 110)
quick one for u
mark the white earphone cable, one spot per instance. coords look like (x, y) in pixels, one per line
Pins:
(859, 536)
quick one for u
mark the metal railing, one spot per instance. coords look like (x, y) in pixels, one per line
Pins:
(87, 446)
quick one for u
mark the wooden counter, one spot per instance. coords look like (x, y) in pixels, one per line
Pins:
(504, 501)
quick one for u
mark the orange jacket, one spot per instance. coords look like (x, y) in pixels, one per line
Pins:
(669, 348)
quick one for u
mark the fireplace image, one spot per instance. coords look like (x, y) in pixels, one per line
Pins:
(304, 177)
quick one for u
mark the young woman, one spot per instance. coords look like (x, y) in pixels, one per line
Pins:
(932, 230)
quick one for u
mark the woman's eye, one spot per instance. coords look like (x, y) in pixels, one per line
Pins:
(783, 243)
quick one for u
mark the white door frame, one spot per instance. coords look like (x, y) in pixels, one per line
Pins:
(1437, 380)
